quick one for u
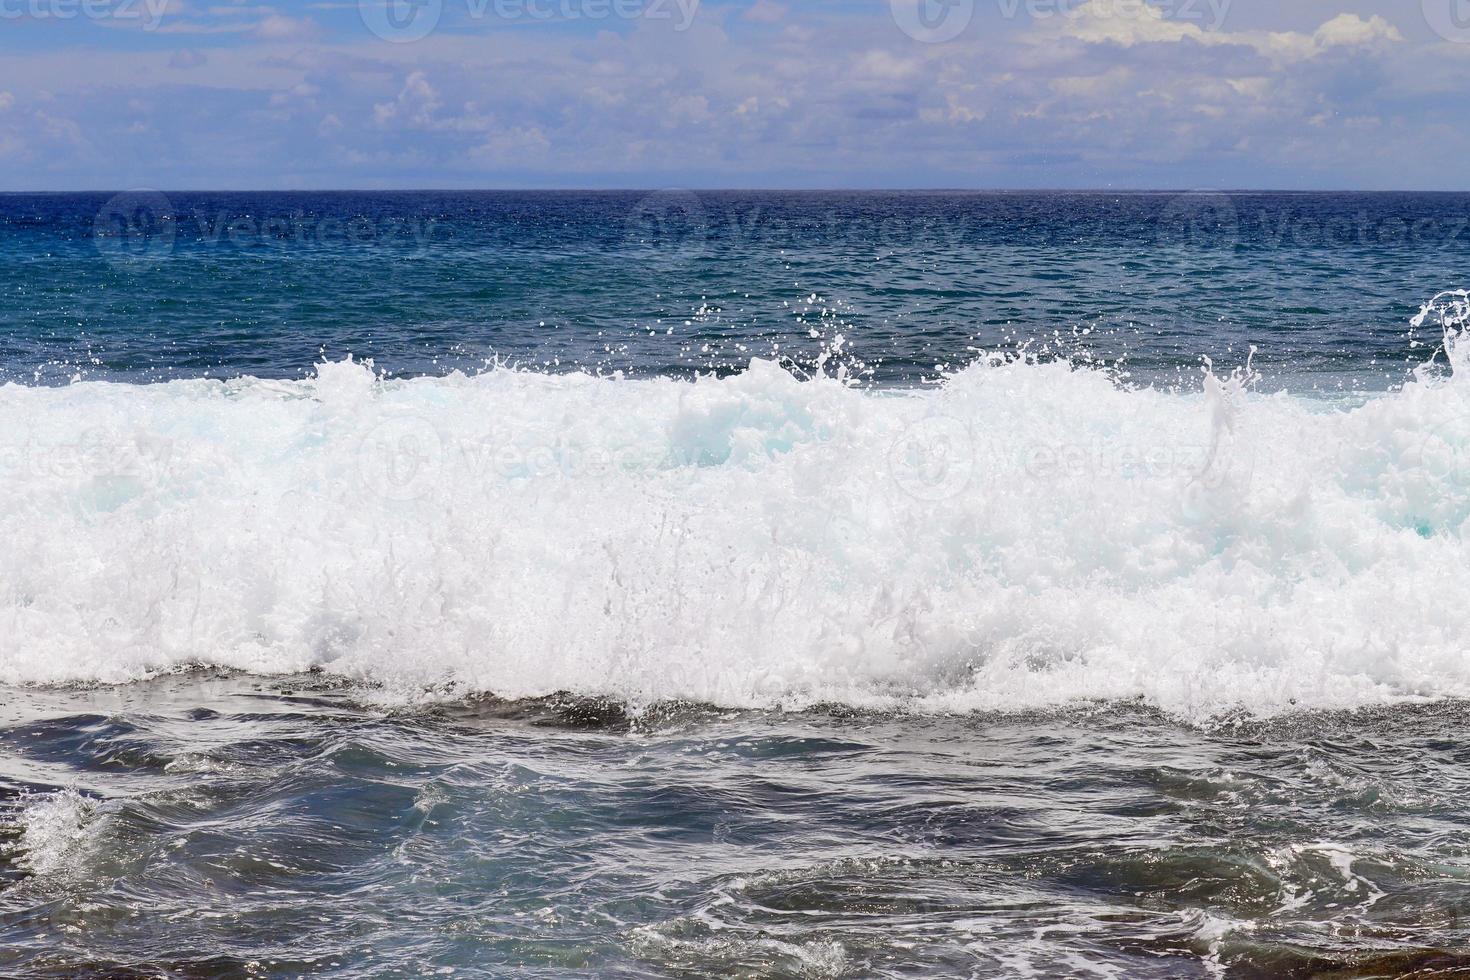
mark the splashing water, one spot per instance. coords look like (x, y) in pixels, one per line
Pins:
(1057, 642)
(56, 830)
(1451, 311)
(1024, 534)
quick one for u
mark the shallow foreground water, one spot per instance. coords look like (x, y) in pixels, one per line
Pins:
(208, 824)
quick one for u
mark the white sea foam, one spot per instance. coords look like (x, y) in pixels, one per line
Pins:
(57, 830)
(1020, 536)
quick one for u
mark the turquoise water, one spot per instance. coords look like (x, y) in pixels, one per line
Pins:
(683, 585)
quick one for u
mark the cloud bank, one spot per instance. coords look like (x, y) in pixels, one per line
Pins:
(648, 93)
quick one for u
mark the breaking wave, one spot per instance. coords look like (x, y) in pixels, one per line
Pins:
(1022, 535)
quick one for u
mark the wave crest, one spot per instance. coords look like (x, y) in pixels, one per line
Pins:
(1022, 535)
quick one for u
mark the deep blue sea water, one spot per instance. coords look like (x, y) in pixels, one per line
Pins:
(688, 584)
(677, 282)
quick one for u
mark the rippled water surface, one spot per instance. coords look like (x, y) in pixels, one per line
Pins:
(767, 585)
(146, 285)
(228, 826)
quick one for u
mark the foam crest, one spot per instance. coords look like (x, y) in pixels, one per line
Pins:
(1023, 535)
(56, 832)
(1450, 312)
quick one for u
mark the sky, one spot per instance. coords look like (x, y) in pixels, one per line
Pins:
(1108, 94)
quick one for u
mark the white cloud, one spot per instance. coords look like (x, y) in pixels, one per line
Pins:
(278, 27)
(883, 66)
(515, 147)
(1130, 24)
(765, 12)
(690, 108)
(1257, 87)
(824, 98)
(1105, 21)
(185, 58)
(416, 103)
(1350, 30)
(1111, 82)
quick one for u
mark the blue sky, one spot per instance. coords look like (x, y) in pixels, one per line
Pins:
(198, 94)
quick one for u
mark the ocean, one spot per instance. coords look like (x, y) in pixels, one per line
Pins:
(684, 584)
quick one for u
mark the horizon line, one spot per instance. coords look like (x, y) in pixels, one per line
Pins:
(730, 190)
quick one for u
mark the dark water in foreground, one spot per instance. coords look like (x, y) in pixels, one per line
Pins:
(228, 826)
